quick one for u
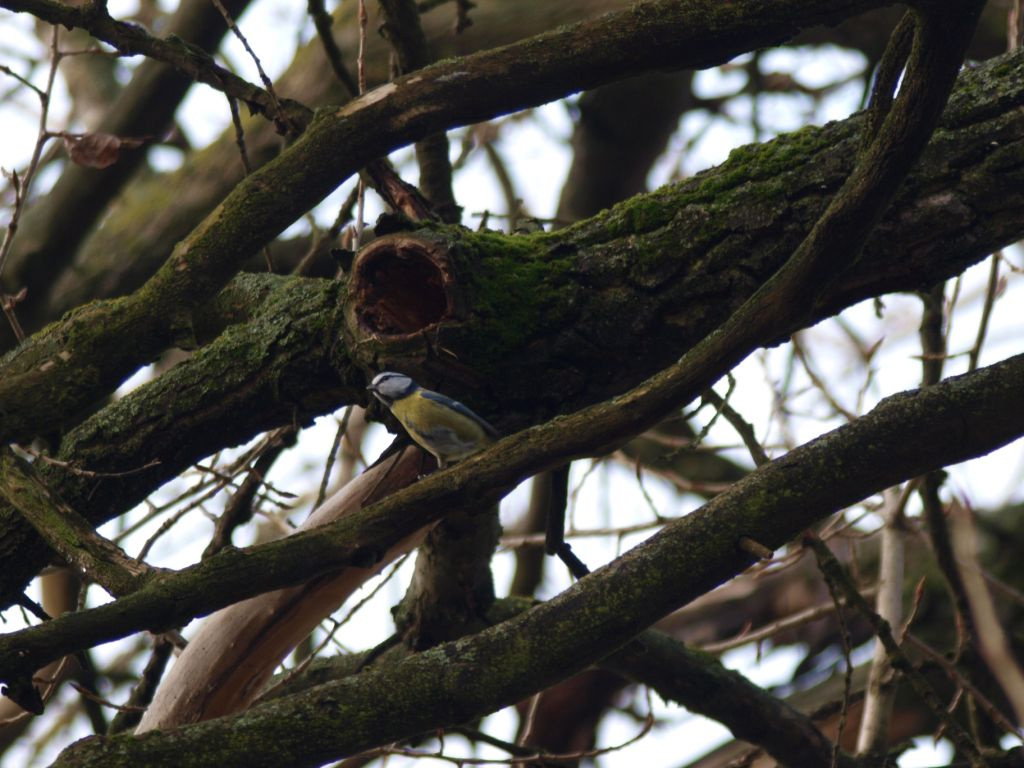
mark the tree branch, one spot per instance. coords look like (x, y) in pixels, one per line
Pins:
(458, 681)
(55, 224)
(679, 259)
(663, 33)
(771, 506)
(66, 531)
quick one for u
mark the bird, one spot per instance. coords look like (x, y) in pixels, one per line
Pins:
(442, 426)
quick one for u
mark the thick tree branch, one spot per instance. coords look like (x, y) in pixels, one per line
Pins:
(119, 256)
(277, 365)
(837, 237)
(457, 681)
(691, 678)
(60, 364)
(677, 261)
(703, 685)
(867, 455)
(66, 531)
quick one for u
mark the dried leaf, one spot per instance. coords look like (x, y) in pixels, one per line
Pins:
(97, 150)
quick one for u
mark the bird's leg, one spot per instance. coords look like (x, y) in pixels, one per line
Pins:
(423, 464)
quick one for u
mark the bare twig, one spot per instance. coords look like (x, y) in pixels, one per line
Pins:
(81, 472)
(143, 691)
(267, 82)
(879, 697)
(990, 635)
(23, 185)
(934, 332)
(541, 758)
(331, 456)
(844, 635)
(806, 616)
(991, 291)
(322, 20)
(336, 625)
(357, 235)
(239, 508)
(743, 427)
(513, 203)
(837, 578)
(93, 696)
(954, 674)
(817, 381)
(755, 548)
(192, 61)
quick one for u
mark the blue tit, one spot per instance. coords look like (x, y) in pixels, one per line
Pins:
(444, 427)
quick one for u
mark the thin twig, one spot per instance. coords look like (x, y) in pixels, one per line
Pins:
(806, 616)
(879, 698)
(743, 427)
(23, 185)
(304, 664)
(191, 61)
(357, 238)
(844, 635)
(267, 82)
(991, 291)
(322, 20)
(836, 577)
(990, 637)
(67, 532)
(339, 435)
(142, 692)
(541, 758)
(80, 472)
(961, 680)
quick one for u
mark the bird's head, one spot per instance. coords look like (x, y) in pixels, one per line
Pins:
(390, 386)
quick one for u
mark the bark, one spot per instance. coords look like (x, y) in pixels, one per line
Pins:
(676, 263)
(118, 257)
(654, 35)
(590, 312)
(457, 681)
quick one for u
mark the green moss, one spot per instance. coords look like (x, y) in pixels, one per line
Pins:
(517, 287)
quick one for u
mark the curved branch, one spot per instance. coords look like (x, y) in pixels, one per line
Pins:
(458, 681)
(65, 377)
(677, 261)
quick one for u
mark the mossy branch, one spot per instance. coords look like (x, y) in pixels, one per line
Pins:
(676, 262)
(460, 680)
(83, 357)
(70, 535)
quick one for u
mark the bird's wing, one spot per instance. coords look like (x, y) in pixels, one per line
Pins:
(455, 405)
